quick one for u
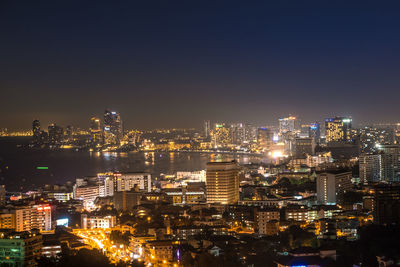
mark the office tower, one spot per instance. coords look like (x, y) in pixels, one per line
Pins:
(113, 131)
(96, 135)
(20, 249)
(207, 129)
(390, 167)
(304, 147)
(315, 131)
(370, 167)
(287, 124)
(56, 134)
(331, 185)
(338, 129)
(238, 131)
(222, 135)
(387, 204)
(265, 139)
(222, 182)
(33, 217)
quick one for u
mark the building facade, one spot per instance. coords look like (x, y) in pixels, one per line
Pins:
(222, 182)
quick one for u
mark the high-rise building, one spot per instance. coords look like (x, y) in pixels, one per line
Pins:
(56, 134)
(2, 195)
(250, 133)
(88, 193)
(387, 204)
(207, 128)
(98, 222)
(222, 182)
(36, 130)
(370, 167)
(331, 185)
(117, 182)
(371, 138)
(287, 124)
(96, 135)
(304, 147)
(238, 131)
(265, 139)
(33, 217)
(69, 131)
(390, 167)
(20, 248)
(315, 131)
(222, 136)
(113, 131)
(338, 129)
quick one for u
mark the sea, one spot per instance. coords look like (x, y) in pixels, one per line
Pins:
(19, 165)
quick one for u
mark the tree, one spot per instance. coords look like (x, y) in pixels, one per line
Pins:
(85, 257)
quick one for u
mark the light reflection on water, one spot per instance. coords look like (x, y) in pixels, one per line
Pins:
(68, 165)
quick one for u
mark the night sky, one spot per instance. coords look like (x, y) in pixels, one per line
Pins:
(176, 63)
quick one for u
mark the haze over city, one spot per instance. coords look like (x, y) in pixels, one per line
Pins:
(174, 64)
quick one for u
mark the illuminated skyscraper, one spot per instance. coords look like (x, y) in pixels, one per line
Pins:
(315, 131)
(95, 130)
(370, 167)
(222, 135)
(338, 129)
(331, 185)
(238, 131)
(287, 124)
(390, 167)
(207, 129)
(265, 138)
(36, 132)
(36, 128)
(250, 132)
(222, 182)
(56, 134)
(113, 132)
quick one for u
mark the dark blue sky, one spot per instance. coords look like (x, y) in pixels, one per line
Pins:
(176, 63)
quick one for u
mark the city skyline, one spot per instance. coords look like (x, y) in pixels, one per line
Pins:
(199, 125)
(178, 64)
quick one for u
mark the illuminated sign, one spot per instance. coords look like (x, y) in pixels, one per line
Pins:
(42, 168)
(106, 128)
(346, 120)
(41, 208)
(62, 222)
(15, 198)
